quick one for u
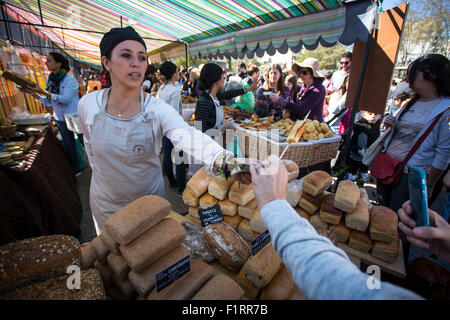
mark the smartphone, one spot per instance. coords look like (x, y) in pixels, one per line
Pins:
(417, 184)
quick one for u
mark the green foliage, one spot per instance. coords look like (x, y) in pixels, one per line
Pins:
(329, 58)
(192, 62)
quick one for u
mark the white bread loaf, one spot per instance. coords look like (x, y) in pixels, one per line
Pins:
(241, 193)
(199, 182)
(189, 198)
(261, 268)
(218, 187)
(317, 182)
(227, 207)
(347, 196)
(294, 192)
(247, 210)
(257, 223)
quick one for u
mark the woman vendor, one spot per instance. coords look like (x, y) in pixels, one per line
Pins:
(123, 129)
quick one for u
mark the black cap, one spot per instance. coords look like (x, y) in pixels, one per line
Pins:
(115, 36)
(167, 69)
(210, 74)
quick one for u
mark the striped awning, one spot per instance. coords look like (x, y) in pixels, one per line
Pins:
(222, 24)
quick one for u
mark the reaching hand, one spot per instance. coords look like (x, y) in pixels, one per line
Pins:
(435, 238)
(274, 98)
(255, 85)
(269, 180)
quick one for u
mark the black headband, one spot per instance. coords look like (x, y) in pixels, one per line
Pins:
(116, 36)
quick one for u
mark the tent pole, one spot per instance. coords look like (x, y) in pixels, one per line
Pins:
(187, 57)
(40, 12)
(121, 25)
(355, 105)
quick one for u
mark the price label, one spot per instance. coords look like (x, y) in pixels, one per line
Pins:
(210, 215)
(172, 274)
(260, 242)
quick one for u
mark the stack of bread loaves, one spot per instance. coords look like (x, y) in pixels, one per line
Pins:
(45, 268)
(237, 201)
(349, 215)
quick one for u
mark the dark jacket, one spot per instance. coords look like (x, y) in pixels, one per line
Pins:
(311, 98)
(205, 110)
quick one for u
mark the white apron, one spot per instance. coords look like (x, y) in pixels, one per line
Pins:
(127, 155)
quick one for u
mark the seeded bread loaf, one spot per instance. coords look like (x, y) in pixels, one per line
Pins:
(220, 287)
(185, 287)
(196, 244)
(137, 217)
(91, 288)
(153, 244)
(144, 281)
(37, 259)
(226, 245)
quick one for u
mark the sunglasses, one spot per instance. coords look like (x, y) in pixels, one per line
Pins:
(304, 72)
(345, 62)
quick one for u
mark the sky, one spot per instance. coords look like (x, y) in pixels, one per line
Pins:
(388, 4)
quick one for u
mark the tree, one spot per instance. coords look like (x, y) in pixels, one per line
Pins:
(193, 62)
(329, 58)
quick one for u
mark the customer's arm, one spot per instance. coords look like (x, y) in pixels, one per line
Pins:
(68, 92)
(320, 270)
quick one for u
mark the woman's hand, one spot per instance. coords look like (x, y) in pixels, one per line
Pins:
(274, 98)
(255, 85)
(435, 238)
(269, 181)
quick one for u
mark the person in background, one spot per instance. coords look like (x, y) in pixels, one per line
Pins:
(104, 80)
(93, 84)
(242, 70)
(82, 90)
(291, 81)
(319, 269)
(149, 78)
(327, 83)
(252, 75)
(429, 79)
(183, 79)
(170, 94)
(337, 109)
(339, 76)
(311, 94)
(64, 100)
(390, 96)
(265, 103)
(365, 131)
(247, 101)
(124, 126)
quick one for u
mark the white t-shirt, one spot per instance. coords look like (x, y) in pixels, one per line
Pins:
(338, 79)
(147, 83)
(409, 126)
(171, 94)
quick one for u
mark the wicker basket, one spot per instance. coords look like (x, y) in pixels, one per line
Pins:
(8, 131)
(257, 145)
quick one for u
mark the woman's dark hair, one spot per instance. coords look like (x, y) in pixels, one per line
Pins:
(280, 84)
(292, 78)
(252, 69)
(328, 75)
(435, 67)
(61, 59)
(151, 69)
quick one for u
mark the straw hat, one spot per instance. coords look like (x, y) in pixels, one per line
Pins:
(310, 63)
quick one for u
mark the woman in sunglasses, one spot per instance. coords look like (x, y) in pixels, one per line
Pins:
(311, 95)
(273, 86)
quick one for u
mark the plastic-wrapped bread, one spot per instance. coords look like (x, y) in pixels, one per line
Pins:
(189, 198)
(199, 182)
(218, 187)
(91, 288)
(262, 267)
(281, 287)
(131, 221)
(196, 244)
(188, 285)
(144, 281)
(251, 291)
(88, 256)
(226, 245)
(241, 193)
(109, 242)
(153, 244)
(294, 192)
(37, 259)
(101, 251)
(247, 210)
(118, 265)
(220, 287)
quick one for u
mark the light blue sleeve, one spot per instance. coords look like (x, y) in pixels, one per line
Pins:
(320, 269)
(69, 89)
